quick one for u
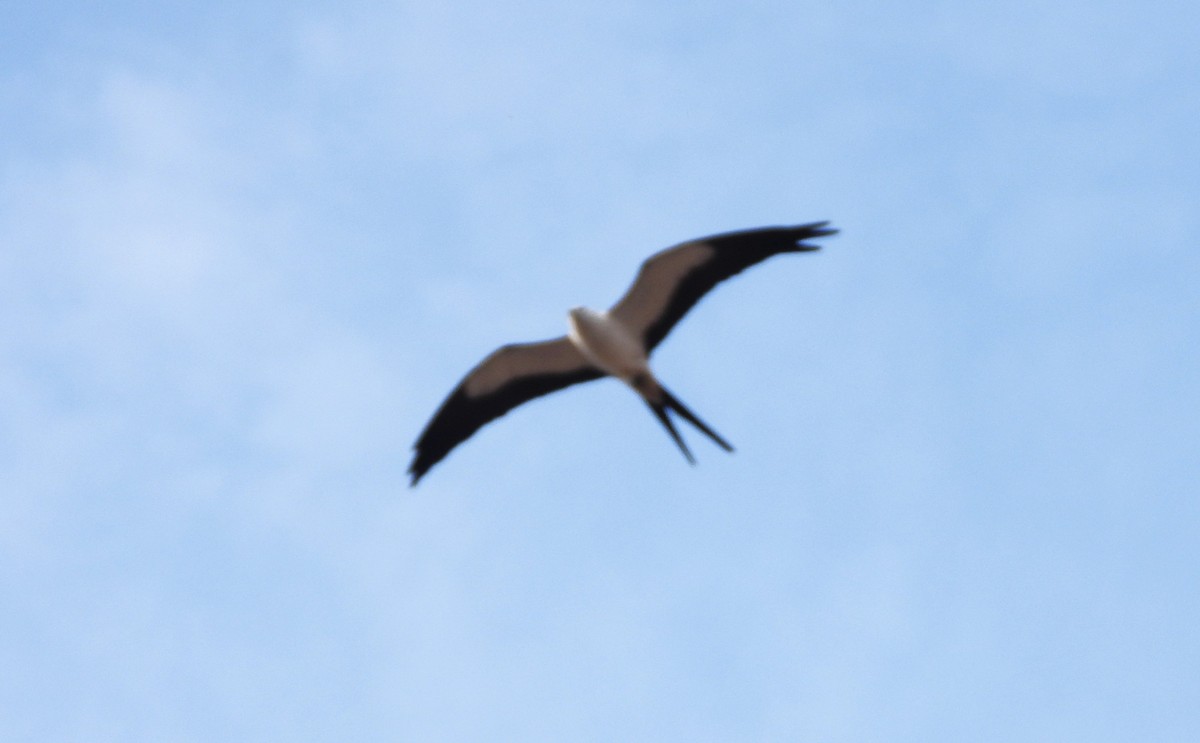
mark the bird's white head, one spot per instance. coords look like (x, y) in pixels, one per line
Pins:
(578, 319)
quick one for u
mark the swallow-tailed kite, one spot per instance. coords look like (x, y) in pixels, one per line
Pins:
(616, 343)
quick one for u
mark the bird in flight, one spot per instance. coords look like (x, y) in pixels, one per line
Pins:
(615, 343)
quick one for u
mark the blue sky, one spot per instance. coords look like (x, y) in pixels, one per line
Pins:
(248, 249)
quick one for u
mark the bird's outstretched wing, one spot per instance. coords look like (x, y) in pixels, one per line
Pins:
(670, 282)
(511, 375)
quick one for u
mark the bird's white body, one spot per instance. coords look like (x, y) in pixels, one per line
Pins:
(608, 344)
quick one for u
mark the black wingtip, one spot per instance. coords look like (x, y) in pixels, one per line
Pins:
(817, 229)
(811, 231)
(419, 467)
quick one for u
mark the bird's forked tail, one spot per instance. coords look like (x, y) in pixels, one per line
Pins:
(670, 403)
